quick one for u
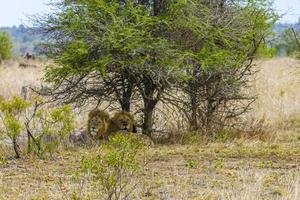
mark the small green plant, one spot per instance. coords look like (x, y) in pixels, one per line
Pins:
(218, 163)
(191, 164)
(190, 138)
(266, 164)
(11, 111)
(114, 165)
(226, 135)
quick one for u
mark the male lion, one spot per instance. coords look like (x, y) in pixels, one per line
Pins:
(122, 121)
(98, 123)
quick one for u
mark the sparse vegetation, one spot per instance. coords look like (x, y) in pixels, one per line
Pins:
(49, 128)
(46, 128)
(200, 78)
(23, 39)
(114, 166)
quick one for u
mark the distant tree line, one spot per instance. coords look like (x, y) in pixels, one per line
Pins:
(23, 39)
(194, 56)
(288, 43)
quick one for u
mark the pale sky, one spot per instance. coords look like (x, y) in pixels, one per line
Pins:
(290, 9)
(14, 12)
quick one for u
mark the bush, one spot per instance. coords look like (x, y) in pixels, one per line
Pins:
(5, 46)
(46, 127)
(266, 52)
(114, 165)
(11, 111)
(50, 129)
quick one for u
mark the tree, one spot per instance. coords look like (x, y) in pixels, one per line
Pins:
(219, 60)
(5, 46)
(109, 51)
(289, 42)
(128, 51)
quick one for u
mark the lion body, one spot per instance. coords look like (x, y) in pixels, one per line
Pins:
(98, 122)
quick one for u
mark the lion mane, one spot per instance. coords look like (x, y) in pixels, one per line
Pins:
(98, 122)
(121, 121)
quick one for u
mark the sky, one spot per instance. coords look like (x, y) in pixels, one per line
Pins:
(15, 12)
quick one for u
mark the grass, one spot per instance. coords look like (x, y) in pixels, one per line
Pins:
(277, 86)
(12, 77)
(239, 168)
(215, 171)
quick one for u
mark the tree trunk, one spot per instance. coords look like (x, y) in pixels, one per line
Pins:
(144, 2)
(126, 97)
(158, 7)
(193, 89)
(125, 106)
(28, 143)
(194, 118)
(16, 147)
(149, 106)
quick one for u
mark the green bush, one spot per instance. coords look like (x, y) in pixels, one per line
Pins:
(11, 111)
(51, 128)
(266, 52)
(5, 46)
(46, 127)
(114, 165)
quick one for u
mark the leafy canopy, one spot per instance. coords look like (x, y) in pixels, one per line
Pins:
(105, 36)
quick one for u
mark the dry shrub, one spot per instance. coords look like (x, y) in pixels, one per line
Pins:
(256, 129)
(253, 130)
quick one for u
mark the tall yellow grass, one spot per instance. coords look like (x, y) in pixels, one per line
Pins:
(12, 77)
(277, 85)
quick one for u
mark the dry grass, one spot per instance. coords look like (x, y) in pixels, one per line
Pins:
(241, 169)
(214, 171)
(278, 88)
(12, 77)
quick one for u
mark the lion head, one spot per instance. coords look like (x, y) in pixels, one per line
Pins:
(98, 123)
(121, 122)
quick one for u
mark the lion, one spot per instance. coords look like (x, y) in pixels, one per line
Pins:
(98, 122)
(121, 121)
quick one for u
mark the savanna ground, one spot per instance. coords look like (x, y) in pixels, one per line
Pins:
(242, 168)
